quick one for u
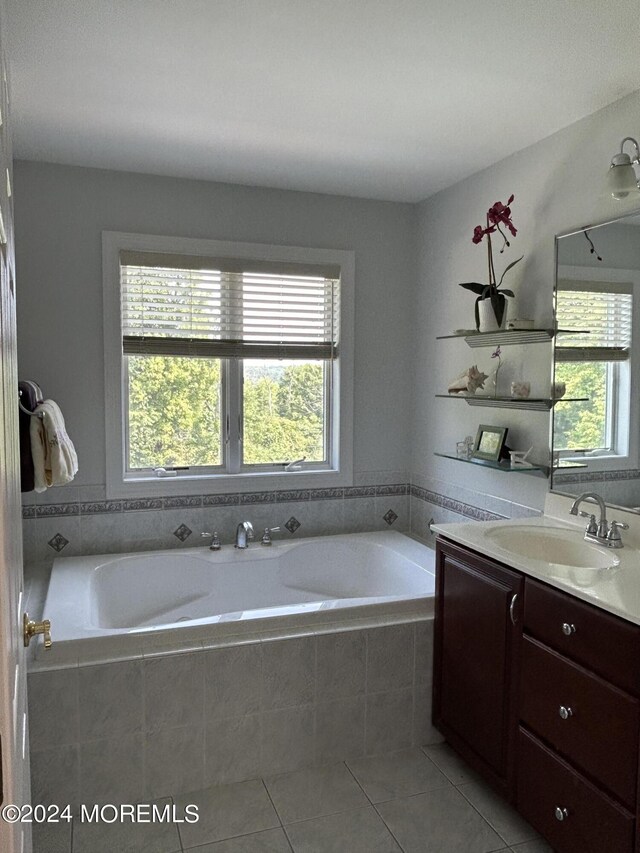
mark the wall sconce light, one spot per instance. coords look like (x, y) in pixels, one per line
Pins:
(622, 178)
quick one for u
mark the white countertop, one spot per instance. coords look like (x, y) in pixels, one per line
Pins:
(616, 590)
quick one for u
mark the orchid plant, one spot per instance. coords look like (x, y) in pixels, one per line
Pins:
(498, 220)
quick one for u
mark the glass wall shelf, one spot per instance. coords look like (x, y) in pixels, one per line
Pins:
(508, 337)
(538, 404)
(504, 465)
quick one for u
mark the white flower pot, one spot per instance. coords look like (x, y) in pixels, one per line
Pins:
(487, 317)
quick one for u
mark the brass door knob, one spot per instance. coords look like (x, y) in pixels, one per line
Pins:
(31, 628)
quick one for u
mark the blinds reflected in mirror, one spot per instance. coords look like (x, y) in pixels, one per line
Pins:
(602, 308)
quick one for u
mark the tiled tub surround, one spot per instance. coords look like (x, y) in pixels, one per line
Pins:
(166, 724)
(90, 524)
(86, 523)
(438, 501)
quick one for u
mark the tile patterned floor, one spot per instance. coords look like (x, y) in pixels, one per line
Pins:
(414, 801)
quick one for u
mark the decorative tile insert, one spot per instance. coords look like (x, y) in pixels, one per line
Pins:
(142, 504)
(390, 516)
(295, 495)
(326, 494)
(392, 489)
(360, 492)
(220, 500)
(292, 525)
(95, 507)
(182, 533)
(48, 510)
(173, 503)
(257, 497)
(58, 542)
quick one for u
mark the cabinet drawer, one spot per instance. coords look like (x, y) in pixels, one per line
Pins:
(592, 822)
(590, 722)
(601, 642)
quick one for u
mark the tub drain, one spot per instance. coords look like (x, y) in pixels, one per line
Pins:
(184, 619)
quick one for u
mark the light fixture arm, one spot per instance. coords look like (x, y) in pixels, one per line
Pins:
(623, 177)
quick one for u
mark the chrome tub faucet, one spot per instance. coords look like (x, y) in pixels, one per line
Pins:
(244, 534)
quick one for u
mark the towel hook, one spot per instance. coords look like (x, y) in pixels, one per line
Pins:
(25, 410)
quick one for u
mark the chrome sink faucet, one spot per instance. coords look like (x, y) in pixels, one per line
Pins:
(244, 534)
(601, 532)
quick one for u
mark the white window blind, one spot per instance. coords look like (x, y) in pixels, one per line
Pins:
(600, 313)
(227, 308)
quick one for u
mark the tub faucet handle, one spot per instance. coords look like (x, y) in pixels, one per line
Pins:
(31, 629)
(266, 536)
(215, 543)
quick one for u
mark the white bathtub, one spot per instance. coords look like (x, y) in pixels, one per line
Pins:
(108, 607)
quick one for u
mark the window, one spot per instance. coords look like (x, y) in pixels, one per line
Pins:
(229, 365)
(595, 363)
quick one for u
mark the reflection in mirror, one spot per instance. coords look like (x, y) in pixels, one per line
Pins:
(596, 443)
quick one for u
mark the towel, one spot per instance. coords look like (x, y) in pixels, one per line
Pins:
(54, 457)
(30, 395)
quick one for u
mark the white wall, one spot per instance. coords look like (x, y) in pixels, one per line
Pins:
(558, 185)
(409, 260)
(60, 214)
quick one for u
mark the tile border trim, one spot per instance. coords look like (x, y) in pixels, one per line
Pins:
(90, 508)
(82, 508)
(596, 476)
(468, 510)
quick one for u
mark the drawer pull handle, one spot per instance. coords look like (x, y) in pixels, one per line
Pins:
(568, 629)
(565, 712)
(512, 609)
(561, 814)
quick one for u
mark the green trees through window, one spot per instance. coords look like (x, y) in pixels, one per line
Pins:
(283, 411)
(174, 412)
(582, 426)
(175, 420)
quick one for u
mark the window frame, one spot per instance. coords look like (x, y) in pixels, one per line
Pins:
(624, 419)
(119, 483)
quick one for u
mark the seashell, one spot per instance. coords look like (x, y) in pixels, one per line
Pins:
(468, 382)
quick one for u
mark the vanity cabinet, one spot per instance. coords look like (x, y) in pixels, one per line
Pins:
(541, 695)
(476, 650)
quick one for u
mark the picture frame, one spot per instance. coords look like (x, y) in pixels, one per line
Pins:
(489, 443)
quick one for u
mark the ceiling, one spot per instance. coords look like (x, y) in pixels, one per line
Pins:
(386, 99)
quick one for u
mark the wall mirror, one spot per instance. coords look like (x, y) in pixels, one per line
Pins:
(596, 443)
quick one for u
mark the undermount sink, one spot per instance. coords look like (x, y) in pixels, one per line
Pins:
(555, 545)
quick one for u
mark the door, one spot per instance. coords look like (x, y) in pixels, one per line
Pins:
(477, 633)
(14, 837)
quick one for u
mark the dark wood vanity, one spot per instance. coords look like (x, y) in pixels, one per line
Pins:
(539, 692)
